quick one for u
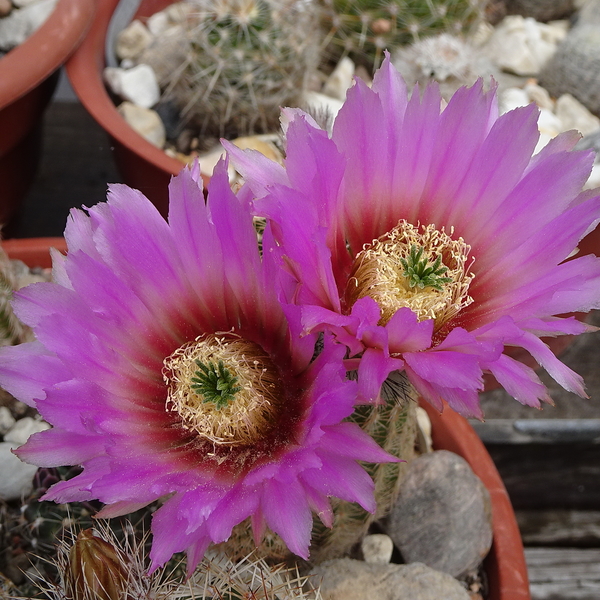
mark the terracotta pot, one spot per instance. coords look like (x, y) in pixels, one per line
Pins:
(28, 76)
(505, 565)
(141, 164)
(34, 252)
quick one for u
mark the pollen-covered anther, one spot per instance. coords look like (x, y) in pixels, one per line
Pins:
(224, 388)
(421, 268)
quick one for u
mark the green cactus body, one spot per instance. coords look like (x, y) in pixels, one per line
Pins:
(12, 331)
(393, 425)
(363, 29)
(244, 59)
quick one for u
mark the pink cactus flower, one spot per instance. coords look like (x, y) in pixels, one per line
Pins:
(168, 369)
(429, 239)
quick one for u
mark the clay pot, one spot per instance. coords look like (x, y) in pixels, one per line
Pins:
(141, 164)
(28, 76)
(505, 565)
(34, 252)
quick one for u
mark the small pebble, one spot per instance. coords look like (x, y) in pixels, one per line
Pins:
(340, 80)
(347, 579)
(19, 433)
(5, 7)
(574, 115)
(138, 84)
(7, 421)
(145, 121)
(16, 477)
(133, 40)
(442, 517)
(377, 548)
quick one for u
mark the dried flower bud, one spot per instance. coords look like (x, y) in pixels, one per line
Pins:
(96, 569)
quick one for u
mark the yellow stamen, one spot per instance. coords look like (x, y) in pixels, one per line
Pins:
(249, 411)
(379, 271)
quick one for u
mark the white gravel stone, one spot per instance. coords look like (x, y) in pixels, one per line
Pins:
(347, 579)
(137, 85)
(539, 95)
(377, 548)
(23, 3)
(573, 115)
(6, 420)
(323, 106)
(145, 121)
(594, 178)
(424, 430)
(15, 476)
(158, 23)
(512, 98)
(20, 24)
(133, 40)
(549, 122)
(523, 46)
(178, 12)
(19, 433)
(340, 81)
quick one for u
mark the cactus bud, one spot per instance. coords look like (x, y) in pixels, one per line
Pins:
(96, 569)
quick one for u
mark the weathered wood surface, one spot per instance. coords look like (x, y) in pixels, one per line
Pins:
(564, 573)
(538, 431)
(550, 476)
(564, 528)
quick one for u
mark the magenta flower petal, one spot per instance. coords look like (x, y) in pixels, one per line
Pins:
(287, 512)
(29, 369)
(55, 448)
(459, 184)
(146, 317)
(519, 381)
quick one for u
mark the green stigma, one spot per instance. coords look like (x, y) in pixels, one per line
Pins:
(421, 273)
(215, 383)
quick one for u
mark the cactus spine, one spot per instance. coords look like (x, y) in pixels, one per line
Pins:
(244, 59)
(12, 331)
(365, 28)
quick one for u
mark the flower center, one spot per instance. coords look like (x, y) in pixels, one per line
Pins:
(424, 270)
(224, 388)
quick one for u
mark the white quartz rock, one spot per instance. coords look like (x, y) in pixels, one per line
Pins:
(20, 24)
(523, 46)
(145, 121)
(6, 420)
(594, 178)
(539, 95)
(340, 80)
(574, 115)
(16, 477)
(19, 433)
(512, 98)
(158, 23)
(323, 107)
(137, 85)
(377, 548)
(133, 40)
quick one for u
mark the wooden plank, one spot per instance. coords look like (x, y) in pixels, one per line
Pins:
(538, 431)
(567, 528)
(563, 573)
(550, 476)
